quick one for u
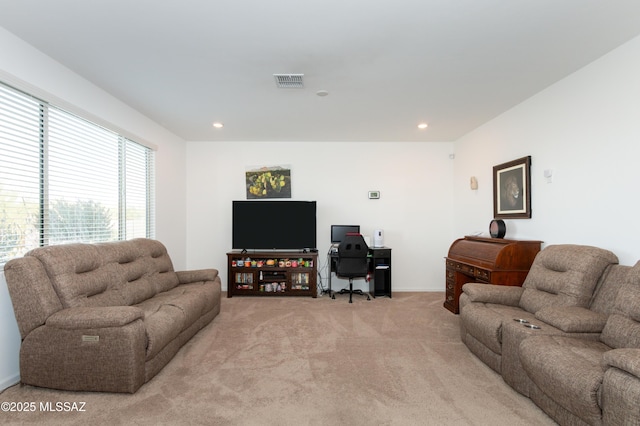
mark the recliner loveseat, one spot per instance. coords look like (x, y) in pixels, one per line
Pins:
(562, 278)
(585, 381)
(580, 362)
(105, 317)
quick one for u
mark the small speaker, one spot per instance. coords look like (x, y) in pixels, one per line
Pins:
(378, 238)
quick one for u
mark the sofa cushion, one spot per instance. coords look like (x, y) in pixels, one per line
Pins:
(203, 291)
(76, 272)
(107, 274)
(606, 292)
(158, 264)
(621, 332)
(623, 326)
(163, 322)
(193, 304)
(568, 371)
(564, 275)
(169, 313)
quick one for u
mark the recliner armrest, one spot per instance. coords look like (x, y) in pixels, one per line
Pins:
(572, 319)
(185, 277)
(626, 359)
(492, 293)
(94, 317)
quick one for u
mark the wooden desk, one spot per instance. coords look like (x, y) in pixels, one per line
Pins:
(379, 270)
(486, 260)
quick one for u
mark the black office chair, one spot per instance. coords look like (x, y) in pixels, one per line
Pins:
(352, 262)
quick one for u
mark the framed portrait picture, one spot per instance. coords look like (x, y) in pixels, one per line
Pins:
(512, 189)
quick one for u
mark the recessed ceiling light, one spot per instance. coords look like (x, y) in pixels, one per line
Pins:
(322, 93)
(218, 125)
(422, 126)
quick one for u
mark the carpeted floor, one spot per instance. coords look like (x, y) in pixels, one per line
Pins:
(303, 361)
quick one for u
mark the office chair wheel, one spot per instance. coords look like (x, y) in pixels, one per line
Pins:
(368, 297)
(333, 296)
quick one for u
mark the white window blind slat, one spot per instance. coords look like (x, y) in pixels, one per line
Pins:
(19, 174)
(74, 168)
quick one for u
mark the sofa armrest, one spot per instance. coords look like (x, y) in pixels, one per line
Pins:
(621, 387)
(492, 293)
(186, 277)
(87, 349)
(572, 319)
(94, 317)
(626, 359)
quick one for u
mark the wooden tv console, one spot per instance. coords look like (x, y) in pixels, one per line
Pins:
(253, 274)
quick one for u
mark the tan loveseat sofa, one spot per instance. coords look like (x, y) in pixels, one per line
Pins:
(584, 381)
(585, 306)
(105, 317)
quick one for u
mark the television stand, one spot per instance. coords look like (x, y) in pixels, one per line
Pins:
(271, 273)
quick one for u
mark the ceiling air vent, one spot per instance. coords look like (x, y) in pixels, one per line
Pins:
(289, 81)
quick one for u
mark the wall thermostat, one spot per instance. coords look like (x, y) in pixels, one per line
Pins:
(374, 195)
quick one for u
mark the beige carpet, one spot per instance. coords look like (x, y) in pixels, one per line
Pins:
(303, 361)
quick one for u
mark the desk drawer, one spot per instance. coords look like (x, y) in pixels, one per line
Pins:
(451, 285)
(460, 267)
(465, 269)
(483, 275)
(450, 298)
(380, 253)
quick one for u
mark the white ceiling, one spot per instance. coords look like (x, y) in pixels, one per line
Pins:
(387, 64)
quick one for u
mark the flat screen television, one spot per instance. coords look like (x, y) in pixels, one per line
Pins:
(274, 225)
(338, 232)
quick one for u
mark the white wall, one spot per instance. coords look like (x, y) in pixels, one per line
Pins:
(414, 179)
(26, 68)
(586, 128)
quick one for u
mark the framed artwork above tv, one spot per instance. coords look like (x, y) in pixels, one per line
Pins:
(264, 182)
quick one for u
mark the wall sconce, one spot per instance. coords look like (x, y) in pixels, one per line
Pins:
(473, 183)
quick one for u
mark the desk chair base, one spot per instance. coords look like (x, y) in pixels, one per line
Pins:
(351, 292)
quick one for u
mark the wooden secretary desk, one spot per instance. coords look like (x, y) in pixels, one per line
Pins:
(486, 260)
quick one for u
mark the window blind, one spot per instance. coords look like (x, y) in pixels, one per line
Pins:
(83, 183)
(20, 171)
(138, 213)
(64, 179)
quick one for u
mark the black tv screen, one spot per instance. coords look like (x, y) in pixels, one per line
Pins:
(278, 225)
